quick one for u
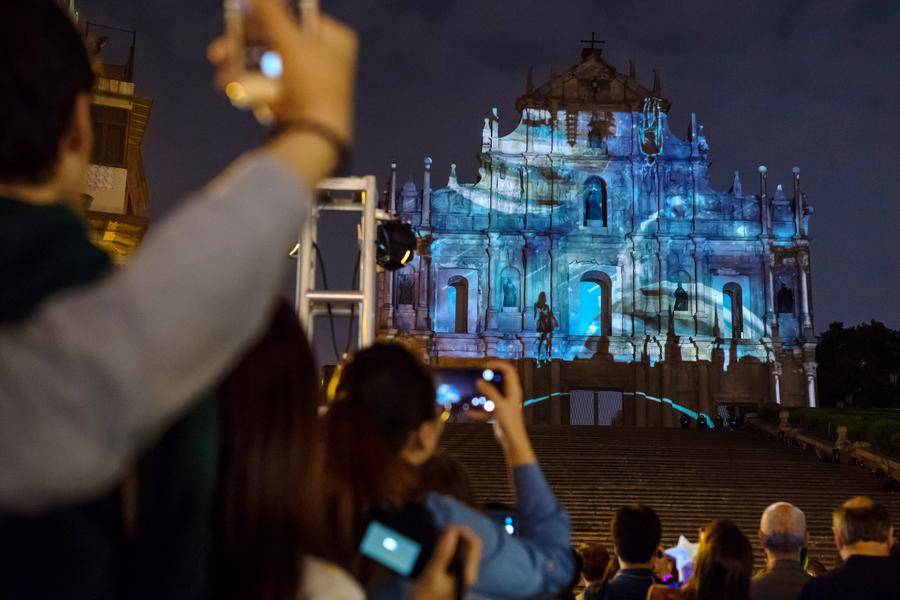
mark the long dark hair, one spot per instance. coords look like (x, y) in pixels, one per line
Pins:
(724, 564)
(270, 510)
(384, 394)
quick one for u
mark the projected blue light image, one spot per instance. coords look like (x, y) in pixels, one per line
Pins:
(590, 317)
(591, 231)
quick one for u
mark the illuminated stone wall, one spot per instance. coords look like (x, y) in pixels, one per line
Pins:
(591, 218)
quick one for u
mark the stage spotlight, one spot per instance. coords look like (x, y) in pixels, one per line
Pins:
(396, 245)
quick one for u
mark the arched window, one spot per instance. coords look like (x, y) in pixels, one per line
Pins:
(594, 304)
(594, 197)
(458, 299)
(733, 302)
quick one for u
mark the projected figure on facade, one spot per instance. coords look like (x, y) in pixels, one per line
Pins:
(785, 300)
(594, 201)
(546, 323)
(651, 131)
(510, 297)
(681, 299)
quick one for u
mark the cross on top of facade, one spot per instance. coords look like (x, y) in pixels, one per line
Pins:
(595, 43)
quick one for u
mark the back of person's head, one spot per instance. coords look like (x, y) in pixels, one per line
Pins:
(43, 69)
(383, 400)
(445, 474)
(636, 530)
(783, 528)
(861, 519)
(269, 492)
(723, 565)
(594, 561)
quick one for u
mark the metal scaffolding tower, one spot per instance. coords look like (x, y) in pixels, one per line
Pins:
(342, 194)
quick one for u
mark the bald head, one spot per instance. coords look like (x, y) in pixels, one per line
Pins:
(783, 528)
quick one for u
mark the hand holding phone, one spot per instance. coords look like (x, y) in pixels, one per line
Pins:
(453, 567)
(298, 72)
(509, 416)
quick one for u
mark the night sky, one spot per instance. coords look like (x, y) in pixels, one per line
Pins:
(813, 84)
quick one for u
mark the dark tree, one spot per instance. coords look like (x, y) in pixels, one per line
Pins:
(859, 366)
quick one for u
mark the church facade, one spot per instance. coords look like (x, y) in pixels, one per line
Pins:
(593, 250)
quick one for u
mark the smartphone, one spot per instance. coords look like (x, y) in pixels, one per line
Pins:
(456, 391)
(390, 548)
(258, 73)
(503, 515)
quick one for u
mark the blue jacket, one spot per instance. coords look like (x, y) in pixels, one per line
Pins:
(538, 561)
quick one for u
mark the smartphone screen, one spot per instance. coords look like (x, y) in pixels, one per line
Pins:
(456, 388)
(504, 516)
(390, 548)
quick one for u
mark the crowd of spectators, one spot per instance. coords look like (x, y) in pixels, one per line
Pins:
(164, 432)
(722, 568)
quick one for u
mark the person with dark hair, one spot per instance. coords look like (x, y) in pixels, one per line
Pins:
(594, 562)
(782, 534)
(863, 535)
(636, 532)
(270, 511)
(722, 568)
(386, 432)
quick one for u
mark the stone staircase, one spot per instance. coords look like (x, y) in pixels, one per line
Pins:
(688, 476)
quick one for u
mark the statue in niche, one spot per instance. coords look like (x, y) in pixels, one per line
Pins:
(682, 301)
(594, 196)
(784, 300)
(546, 323)
(510, 295)
(404, 290)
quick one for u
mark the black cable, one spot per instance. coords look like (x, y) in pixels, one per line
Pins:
(353, 284)
(321, 263)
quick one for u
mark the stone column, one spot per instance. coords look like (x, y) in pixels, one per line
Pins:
(809, 370)
(806, 321)
(660, 277)
(798, 204)
(423, 317)
(634, 287)
(493, 268)
(426, 194)
(768, 262)
(776, 380)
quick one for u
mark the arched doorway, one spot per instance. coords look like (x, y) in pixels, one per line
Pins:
(594, 304)
(733, 303)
